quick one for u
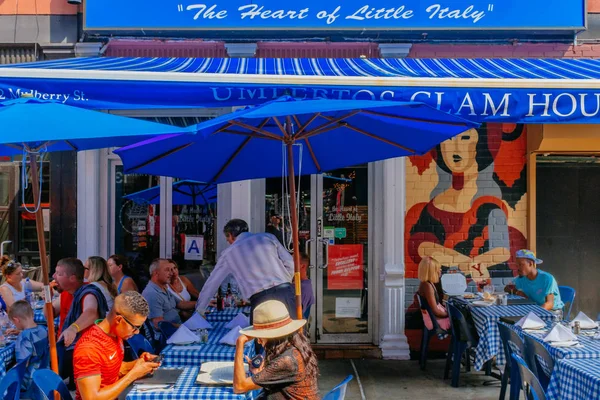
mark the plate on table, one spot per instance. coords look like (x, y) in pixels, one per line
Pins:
(217, 373)
(567, 343)
(482, 303)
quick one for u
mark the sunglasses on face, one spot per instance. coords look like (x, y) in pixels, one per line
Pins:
(135, 327)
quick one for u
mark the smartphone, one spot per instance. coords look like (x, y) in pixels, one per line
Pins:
(257, 361)
(159, 359)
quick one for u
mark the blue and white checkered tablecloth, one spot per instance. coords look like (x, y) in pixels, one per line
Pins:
(588, 348)
(186, 388)
(575, 379)
(7, 358)
(194, 354)
(486, 321)
(212, 315)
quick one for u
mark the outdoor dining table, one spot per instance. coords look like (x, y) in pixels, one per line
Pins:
(7, 358)
(196, 353)
(575, 379)
(486, 322)
(186, 388)
(226, 315)
(588, 347)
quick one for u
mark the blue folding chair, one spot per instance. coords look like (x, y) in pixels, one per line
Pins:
(166, 328)
(138, 344)
(530, 384)
(427, 333)
(511, 341)
(464, 338)
(539, 360)
(46, 382)
(339, 392)
(10, 385)
(567, 295)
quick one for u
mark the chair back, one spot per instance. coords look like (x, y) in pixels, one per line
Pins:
(511, 341)
(424, 305)
(10, 385)
(567, 295)
(534, 351)
(166, 328)
(138, 345)
(530, 384)
(46, 382)
(461, 329)
(339, 392)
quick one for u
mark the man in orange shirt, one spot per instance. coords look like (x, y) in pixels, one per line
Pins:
(100, 372)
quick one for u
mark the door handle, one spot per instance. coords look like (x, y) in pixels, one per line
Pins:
(325, 243)
(307, 243)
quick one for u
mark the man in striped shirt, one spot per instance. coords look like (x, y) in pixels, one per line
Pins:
(259, 263)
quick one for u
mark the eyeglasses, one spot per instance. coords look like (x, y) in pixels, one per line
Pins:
(135, 327)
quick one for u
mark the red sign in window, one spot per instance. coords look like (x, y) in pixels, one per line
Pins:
(345, 267)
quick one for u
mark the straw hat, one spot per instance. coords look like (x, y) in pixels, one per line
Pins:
(272, 320)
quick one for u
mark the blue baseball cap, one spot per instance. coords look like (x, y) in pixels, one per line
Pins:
(528, 255)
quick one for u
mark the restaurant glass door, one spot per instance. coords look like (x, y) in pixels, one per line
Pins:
(340, 256)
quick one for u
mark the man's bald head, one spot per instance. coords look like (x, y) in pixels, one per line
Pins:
(131, 304)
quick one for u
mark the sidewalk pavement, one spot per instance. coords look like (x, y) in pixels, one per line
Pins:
(389, 379)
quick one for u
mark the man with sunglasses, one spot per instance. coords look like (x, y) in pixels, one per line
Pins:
(100, 372)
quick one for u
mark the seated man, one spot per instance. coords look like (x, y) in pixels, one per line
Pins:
(534, 283)
(164, 305)
(100, 371)
(78, 306)
(32, 343)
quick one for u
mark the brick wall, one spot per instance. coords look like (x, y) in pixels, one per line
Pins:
(517, 50)
(466, 202)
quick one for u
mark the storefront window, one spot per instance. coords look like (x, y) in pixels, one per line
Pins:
(194, 223)
(137, 220)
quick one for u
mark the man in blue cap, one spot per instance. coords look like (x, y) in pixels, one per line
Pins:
(534, 283)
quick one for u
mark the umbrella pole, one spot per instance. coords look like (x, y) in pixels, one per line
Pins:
(295, 238)
(39, 224)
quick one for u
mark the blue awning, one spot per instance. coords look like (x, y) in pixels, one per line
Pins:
(509, 90)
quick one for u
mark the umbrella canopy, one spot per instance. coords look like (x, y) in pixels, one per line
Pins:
(31, 126)
(307, 136)
(184, 193)
(51, 126)
(247, 143)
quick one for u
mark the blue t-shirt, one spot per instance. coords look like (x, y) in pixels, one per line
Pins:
(162, 303)
(32, 344)
(537, 289)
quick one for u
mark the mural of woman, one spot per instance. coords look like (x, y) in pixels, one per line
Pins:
(466, 222)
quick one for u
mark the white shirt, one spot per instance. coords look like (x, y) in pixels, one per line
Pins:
(256, 261)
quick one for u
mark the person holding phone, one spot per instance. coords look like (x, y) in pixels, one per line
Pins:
(100, 372)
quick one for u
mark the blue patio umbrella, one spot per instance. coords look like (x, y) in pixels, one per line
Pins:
(185, 192)
(32, 127)
(307, 136)
(29, 124)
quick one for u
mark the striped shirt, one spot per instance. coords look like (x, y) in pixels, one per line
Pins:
(256, 261)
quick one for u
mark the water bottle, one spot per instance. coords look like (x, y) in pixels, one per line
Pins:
(28, 290)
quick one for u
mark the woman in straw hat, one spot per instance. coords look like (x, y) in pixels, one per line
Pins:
(289, 371)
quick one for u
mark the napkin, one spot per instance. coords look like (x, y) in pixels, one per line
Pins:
(197, 322)
(531, 321)
(585, 322)
(240, 320)
(560, 334)
(231, 337)
(183, 336)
